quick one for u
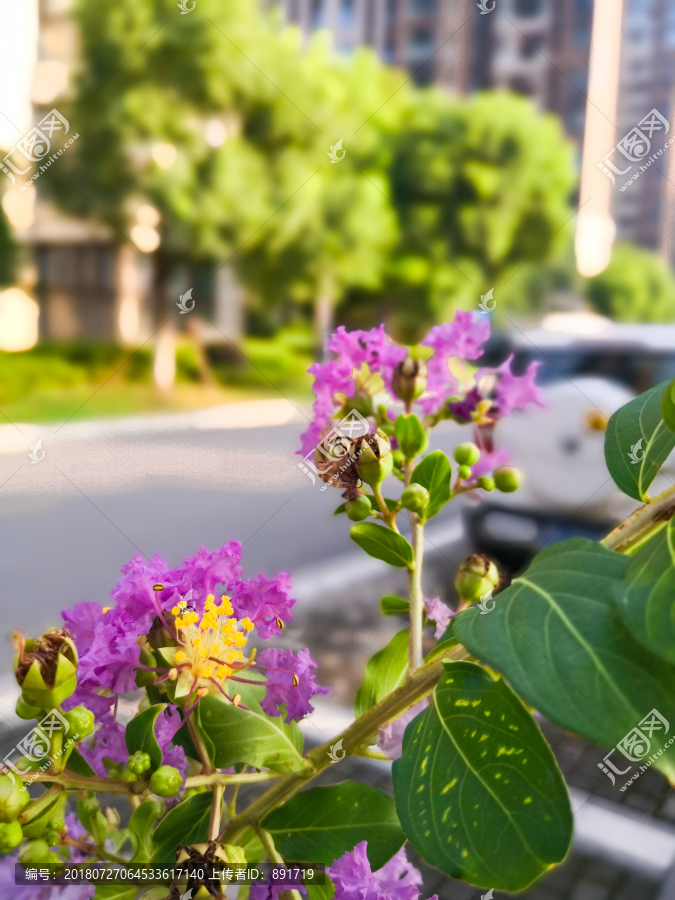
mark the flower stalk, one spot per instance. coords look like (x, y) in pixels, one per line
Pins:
(416, 597)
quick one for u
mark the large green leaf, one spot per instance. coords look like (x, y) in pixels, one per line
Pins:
(434, 473)
(385, 671)
(140, 734)
(250, 736)
(383, 543)
(668, 406)
(187, 823)
(638, 442)
(477, 789)
(646, 596)
(324, 822)
(559, 639)
(141, 831)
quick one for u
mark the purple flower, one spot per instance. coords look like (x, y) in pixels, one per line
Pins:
(109, 743)
(354, 879)
(464, 408)
(264, 600)
(205, 570)
(439, 613)
(371, 347)
(281, 669)
(513, 391)
(463, 338)
(390, 738)
(489, 461)
(166, 726)
(134, 592)
(329, 379)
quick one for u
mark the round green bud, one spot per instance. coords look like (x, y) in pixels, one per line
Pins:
(415, 498)
(398, 457)
(467, 454)
(409, 379)
(372, 454)
(487, 483)
(11, 835)
(37, 853)
(138, 763)
(26, 711)
(359, 509)
(14, 798)
(128, 775)
(166, 781)
(507, 479)
(80, 721)
(464, 472)
(476, 577)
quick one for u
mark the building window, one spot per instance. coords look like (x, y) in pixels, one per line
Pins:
(528, 8)
(583, 19)
(318, 14)
(420, 47)
(530, 45)
(347, 14)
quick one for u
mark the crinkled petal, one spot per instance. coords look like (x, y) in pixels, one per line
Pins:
(280, 666)
(390, 738)
(264, 600)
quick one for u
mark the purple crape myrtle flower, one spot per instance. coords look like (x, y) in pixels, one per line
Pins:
(439, 613)
(390, 738)
(355, 880)
(489, 461)
(462, 338)
(290, 683)
(516, 391)
(265, 601)
(464, 409)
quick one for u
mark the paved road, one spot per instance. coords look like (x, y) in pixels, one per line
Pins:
(69, 522)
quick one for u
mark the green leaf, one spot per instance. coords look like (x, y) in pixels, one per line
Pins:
(446, 642)
(646, 596)
(434, 473)
(321, 891)
(638, 442)
(187, 823)
(668, 406)
(383, 543)
(251, 845)
(140, 829)
(391, 605)
(115, 892)
(477, 789)
(411, 436)
(559, 639)
(385, 671)
(250, 736)
(79, 765)
(324, 822)
(140, 734)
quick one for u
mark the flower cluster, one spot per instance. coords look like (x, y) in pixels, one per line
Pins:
(166, 622)
(435, 375)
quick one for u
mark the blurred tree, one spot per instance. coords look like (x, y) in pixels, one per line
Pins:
(482, 187)
(637, 286)
(7, 253)
(222, 123)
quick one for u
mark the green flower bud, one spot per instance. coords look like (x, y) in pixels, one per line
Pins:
(487, 483)
(415, 498)
(14, 798)
(359, 509)
(372, 454)
(46, 668)
(409, 380)
(398, 457)
(507, 479)
(80, 721)
(467, 454)
(11, 835)
(25, 711)
(476, 577)
(129, 776)
(37, 853)
(166, 781)
(464, 472)
(138, 763)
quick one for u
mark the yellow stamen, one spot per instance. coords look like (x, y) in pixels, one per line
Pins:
(180, 656)
(247, 623)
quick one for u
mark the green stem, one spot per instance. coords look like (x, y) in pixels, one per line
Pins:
(388, 515)
(218, 778)
(69, 781)
(207, 765)
(416, 597)
(42, 802)
(274, 856)
(643, 524)
(216, 811)
(358, 734)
